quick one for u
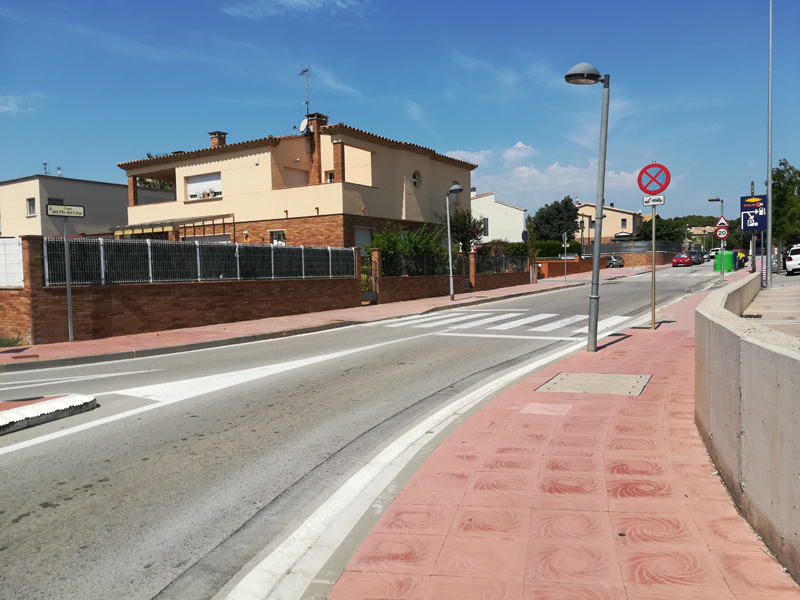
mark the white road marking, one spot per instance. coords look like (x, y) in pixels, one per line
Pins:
(13, 385)
(480, 322)
(451, 320)
(176, 391)
(525, 321)
(559, 323)
(507, 336)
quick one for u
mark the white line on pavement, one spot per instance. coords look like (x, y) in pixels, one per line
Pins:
(176, 391)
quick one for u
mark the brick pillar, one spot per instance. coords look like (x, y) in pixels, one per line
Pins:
(338, 162)
(376, 272)
(133, 191)
(33, 274)
(473, 270)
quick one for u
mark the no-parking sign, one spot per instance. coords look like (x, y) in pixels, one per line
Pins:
(654, 179)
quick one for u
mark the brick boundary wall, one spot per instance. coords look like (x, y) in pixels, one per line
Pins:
(555, 268)
(400, 289)
(493, 281)
(108, 311)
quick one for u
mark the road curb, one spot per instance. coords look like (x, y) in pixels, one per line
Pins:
(22, 417)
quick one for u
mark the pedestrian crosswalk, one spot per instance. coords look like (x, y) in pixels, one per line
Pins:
(504, 323)
(675, 272)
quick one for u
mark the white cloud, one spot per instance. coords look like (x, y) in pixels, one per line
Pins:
(530, 187)
(481, 158)
(12, 105)
(257, 9)
(414, 112)
(7, 14)
(518, 152)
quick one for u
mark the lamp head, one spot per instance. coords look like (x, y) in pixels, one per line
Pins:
(715, 199)
(583, 74)
(455, 189)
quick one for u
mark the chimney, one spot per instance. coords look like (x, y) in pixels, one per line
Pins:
(612, 205)
(217, 138)
(316, 121)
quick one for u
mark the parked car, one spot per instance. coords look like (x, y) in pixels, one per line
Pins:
(713, 252)
(793, 260)
(682, 260)
(614, 261)
(695, 256)
(706, 256)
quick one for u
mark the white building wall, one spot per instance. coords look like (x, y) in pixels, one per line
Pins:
(506, 221)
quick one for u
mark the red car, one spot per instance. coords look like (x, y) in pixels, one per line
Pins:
(682, 259)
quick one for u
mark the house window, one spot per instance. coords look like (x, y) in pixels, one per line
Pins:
(30, 205)
(486, 226)
(277, 237)
(624, 224)
(204, 187)
(591, 222)
(330, 177)
(416, 179)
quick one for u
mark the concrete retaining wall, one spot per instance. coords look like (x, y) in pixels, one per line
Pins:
(747, 391)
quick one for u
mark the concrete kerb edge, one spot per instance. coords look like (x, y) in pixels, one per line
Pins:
(89, 403)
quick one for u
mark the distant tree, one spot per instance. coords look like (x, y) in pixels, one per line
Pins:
(465, 229)
(551, 221)
(156, 184)
(786, 203)
(667, 230)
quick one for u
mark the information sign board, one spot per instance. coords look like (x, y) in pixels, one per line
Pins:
(754, 213)
(58, 210)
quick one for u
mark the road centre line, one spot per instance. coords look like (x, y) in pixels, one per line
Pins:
(165, 394)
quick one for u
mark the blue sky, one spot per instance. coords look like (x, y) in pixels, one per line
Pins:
(86, 85)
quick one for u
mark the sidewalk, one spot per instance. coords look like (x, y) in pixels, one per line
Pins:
(574, 484)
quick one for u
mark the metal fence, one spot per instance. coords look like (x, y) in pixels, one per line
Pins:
(501, 263)
(98, 261)
(636, 247)
(398, 265)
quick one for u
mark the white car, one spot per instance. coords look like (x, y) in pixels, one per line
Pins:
(793, 260)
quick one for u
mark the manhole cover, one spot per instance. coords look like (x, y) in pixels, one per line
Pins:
(597, 383)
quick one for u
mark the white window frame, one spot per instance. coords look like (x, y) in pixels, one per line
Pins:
(272, 239)
(30, 207)
(207, 186)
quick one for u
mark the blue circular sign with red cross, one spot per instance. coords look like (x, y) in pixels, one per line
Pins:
(654, 179)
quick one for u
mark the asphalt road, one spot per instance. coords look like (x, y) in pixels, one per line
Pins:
(196, 462)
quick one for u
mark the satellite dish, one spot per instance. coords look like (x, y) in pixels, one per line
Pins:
(303, 125)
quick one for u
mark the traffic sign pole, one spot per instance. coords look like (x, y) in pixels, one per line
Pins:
(69, 278)
(653, 277)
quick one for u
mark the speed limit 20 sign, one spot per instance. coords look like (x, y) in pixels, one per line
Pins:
(721, 233)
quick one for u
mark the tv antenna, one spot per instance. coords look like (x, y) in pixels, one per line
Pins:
(44, 164)
(305, 72)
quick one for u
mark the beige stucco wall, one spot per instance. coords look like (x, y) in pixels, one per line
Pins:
(612, 224)
(13, 209)
(505, 222)
(377, 184)
(105, 206)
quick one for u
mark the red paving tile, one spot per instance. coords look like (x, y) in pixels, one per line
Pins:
(567, 496)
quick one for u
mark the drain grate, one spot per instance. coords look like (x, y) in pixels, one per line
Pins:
(597, 383)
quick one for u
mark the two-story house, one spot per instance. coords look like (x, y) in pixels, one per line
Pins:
(618, 223)
(331, 185)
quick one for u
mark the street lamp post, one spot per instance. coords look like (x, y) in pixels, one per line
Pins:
(722, 244)
(586, 74)
(452, 197)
